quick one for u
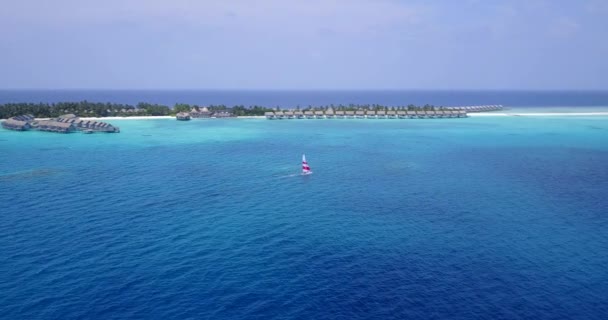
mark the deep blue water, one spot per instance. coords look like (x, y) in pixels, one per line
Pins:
(478, 218)
(315, 98)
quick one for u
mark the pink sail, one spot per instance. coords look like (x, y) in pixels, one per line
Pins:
(305, 166)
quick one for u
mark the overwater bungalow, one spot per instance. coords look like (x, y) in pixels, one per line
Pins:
(106, 127)
(55, 126)
(222, 114)
(25, 117)
(200, 113)
(16, 125)
(398, 113)
(181, 116)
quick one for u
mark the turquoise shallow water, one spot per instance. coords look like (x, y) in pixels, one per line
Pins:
(444, 218)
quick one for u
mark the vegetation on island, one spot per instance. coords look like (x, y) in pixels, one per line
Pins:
(97, 109)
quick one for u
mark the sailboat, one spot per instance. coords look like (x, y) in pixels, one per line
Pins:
(305, 166)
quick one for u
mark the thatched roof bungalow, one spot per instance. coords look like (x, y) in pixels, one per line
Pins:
(319, 114)
(201, 113)
(278, 114)
(12, 124)
(309, 114)
(340, 114)
(269, 115)
(55, 126)
(181, 116)
(222, 114)
(24, 117)
(298, 114)
(391, 114)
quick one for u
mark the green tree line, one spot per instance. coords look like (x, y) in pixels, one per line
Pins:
(97, 109)
(82, 109)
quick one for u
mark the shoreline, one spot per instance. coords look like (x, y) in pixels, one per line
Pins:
(472, 115)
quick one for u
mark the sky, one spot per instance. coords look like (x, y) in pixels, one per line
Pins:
(304, 44)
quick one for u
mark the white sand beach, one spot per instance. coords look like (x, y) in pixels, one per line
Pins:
(537, 114)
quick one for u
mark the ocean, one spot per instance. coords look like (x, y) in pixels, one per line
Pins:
(477, 218)
(442, 218)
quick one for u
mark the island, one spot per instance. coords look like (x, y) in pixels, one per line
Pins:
(87, 109)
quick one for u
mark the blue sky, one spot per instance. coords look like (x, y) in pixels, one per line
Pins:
(312, 44)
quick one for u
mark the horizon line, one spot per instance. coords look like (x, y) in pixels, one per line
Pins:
(309, 90)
